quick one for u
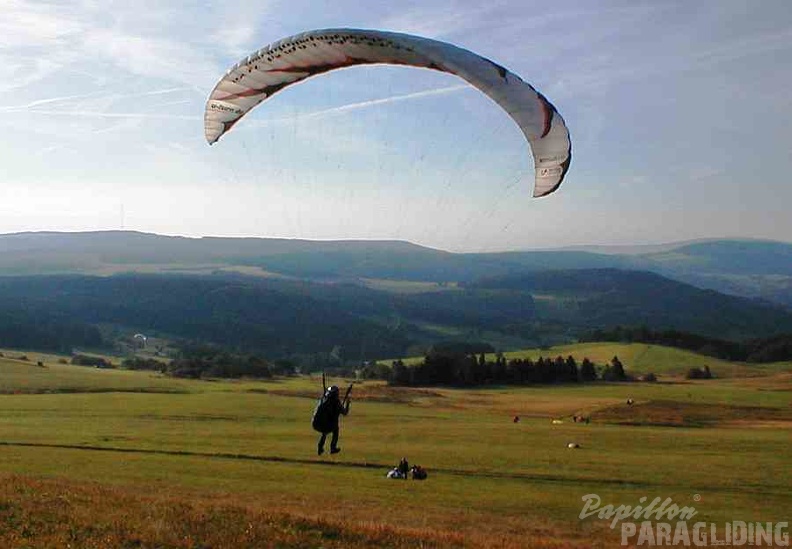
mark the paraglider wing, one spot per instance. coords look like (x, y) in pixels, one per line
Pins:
(298, 57)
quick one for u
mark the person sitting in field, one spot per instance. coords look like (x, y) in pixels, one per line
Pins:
(404, 467)
(418, 472)
(394, 473)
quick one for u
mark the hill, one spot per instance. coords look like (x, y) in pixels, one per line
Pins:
(749, 268)
(369, 299)
(112, 252)
(230, 312)
(290, 318)
(610, 297)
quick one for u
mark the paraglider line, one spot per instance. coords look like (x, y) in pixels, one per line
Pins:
(491, 210)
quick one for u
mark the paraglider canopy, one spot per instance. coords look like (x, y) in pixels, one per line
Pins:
(293, 59)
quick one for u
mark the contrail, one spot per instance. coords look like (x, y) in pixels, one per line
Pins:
(32, 107)
(385, 100)
(47, 101)
(361, 105)
(101, 114)
(33, 104)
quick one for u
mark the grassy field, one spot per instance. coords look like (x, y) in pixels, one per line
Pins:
(113, 458)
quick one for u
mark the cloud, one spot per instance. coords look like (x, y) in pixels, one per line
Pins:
(769, 42)
(235, 26)
(26, 24)
(96, 113)
(700, 173)
(623, 55)
(20, 71)
(437, 21)
(44, 40)
(34, 42)
(153, 57)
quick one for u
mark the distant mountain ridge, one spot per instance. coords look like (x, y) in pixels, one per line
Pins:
(646, 249)
(750, 268)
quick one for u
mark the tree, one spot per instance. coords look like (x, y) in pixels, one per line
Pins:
(138, 363)
(572, 369)
(615, 371)
(587, 371)
(85, 360)
(399, 374)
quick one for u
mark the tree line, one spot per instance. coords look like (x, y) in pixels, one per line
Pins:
(468, 370)
(209, 362)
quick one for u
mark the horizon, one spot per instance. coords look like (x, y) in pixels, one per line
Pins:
(605, 249)
(678, 113)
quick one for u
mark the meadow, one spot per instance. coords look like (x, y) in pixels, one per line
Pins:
(115, 458)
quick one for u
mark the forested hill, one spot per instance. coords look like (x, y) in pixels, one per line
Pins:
(611, 297)
(61, 312)
(285, 317)
(379, 298)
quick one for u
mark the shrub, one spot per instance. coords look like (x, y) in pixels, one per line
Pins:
(85, 360)
(699, 373)
(138, 363)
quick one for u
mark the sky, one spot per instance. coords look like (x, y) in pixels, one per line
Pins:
(680, 115)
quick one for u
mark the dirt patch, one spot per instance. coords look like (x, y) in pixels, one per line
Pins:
(777, 383)
(759, 424)
(671, 413)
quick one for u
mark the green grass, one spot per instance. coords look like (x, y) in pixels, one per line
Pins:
(407, 286)
(491, 480)
(27, 376)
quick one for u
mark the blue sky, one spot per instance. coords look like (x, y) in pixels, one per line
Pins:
(680, 114)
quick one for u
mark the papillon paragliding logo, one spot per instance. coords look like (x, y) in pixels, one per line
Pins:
(290, 60)
(661, 522)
